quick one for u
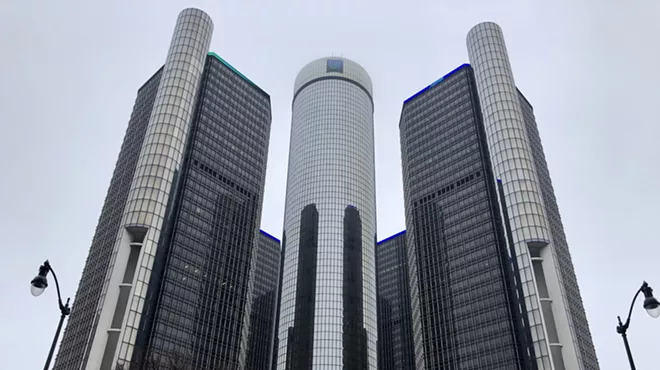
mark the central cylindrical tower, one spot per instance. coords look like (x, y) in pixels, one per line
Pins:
(328, 302)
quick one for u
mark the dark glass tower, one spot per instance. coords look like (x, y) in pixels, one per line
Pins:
(262, 326)
(587, 352)
(395, 340)
(199, 284)
(72, 350)
(463, 283)
(169, 279)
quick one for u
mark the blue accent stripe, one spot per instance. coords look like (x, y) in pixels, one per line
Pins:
(270, 236)
(391, 237)
(464, 65)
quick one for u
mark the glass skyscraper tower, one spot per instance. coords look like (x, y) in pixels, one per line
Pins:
(170, 273)
(561, 332)
(491, 278)
(328, 301)
(395, 340)
(266, 281)
(467, 314)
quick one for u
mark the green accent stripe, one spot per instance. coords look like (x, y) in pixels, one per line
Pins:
(236, 71)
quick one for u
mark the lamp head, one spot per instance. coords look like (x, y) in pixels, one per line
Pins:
(40, 282)
(651, 304)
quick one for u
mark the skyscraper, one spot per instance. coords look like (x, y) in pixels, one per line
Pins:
(205, 254)
(266, 279)
(395, 340)
(174, 244)
(328, 302)
(467, 312)
(517, 158)
(73, 351)
(575, 308)
(483, 226)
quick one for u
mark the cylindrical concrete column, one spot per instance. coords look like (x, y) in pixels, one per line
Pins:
(158, 163)
(513, 162)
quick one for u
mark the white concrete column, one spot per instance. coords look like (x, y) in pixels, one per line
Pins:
(512, 162)
(161, 155)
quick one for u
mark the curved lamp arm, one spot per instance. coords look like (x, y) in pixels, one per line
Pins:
(63, 307)
(623, 327)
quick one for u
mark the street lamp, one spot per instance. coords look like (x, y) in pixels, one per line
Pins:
(652, 307)
(37, 286)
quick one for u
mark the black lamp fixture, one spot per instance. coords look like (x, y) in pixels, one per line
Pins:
(652, 307)
(37, 286)
(651, 304)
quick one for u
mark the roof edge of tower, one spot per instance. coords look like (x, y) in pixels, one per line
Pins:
(269, 236)
(329, 66)
(464, 65)
(236, 71)
(391, 237)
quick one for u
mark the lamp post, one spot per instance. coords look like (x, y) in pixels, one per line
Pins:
(37, 286)
(652, 307)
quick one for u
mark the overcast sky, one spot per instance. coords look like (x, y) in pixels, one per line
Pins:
(70, 70)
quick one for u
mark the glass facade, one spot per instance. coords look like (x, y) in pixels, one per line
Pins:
(262, 325)
(72, 352)
(195, 312)
(300, 337)
(178, 271)
(512, 163)
(557, 320)
(395, 339)
(580, 325)
(160, 161)
(170, 281)
(469, 316)
(328, 302)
